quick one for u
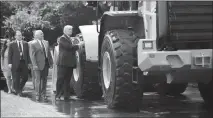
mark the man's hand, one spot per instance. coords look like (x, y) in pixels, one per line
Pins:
(35, 67)
(10, 66)
(30, 66)
(51, 67)
(76, 47)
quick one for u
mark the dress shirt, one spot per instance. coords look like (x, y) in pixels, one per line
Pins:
(40, 41)
(21, 45)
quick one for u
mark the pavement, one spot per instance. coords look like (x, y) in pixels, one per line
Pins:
(15, 106)
(187, 105)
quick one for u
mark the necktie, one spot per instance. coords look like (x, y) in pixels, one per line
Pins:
(20, 49)
(43, 49)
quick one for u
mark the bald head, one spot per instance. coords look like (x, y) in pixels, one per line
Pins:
(18, 35)
(39, 35)
(68, 30)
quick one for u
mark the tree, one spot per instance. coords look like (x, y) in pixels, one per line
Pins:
(6, 11)
(49, 16)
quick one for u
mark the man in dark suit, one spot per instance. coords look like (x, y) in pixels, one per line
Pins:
(41, 62)
(66, 62)
(19, 61)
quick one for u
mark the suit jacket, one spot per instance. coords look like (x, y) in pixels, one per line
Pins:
(14, 54)
(29, 44)
(37, 55)
(66, 52)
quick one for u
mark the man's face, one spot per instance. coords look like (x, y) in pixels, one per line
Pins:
(39, 35)
(18, 36)
(69, 31)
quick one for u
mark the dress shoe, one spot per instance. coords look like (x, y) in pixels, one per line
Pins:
(20, 94)
(14, 92)
(66, 99)
(45, 98)
(37, 98)
(57, 98)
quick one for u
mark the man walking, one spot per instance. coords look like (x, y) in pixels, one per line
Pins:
(19, 61)
(31, 68)
(66, 62)
(41, 62)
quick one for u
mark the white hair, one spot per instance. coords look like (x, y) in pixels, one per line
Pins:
(67, 27)
(37, 31)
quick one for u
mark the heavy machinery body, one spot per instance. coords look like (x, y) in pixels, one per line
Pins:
(149, 58)
(90, 36)
(168, 41)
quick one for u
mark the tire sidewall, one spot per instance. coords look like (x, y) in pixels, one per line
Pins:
(78, 84)
(108, 93)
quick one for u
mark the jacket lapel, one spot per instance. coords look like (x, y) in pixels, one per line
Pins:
(16, 45)
(68, 38)
(24, 48)
(46, 47)
(38, 44)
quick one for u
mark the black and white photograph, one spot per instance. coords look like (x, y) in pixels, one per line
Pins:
(77, 58)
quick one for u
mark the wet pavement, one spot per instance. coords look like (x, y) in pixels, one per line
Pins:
(188, 105)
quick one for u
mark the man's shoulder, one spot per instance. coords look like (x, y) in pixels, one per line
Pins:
(11, 43)
(32, 42)
(25, 42)
(46, 41)
(62, 37)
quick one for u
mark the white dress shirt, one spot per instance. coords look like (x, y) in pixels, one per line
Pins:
(21, 44)
(40, 41)
(21, 53)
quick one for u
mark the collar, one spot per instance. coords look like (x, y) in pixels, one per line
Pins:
(38, 40)
(67, 36)
(19, 41)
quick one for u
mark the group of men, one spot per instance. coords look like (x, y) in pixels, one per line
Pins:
(35, 55)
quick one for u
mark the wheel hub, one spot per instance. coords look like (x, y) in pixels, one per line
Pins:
(106, 69)
(76, 71)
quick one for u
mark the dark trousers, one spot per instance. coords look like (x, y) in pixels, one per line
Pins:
(32, 74)
(20, 77)
(63, 81)
(41, 80)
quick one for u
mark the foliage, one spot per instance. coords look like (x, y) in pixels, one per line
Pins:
(6, 11)
(49, 16)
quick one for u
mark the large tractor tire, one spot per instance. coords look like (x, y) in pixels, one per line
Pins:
(171, 89)
(118, 56)
(206, 92)
(85, 76)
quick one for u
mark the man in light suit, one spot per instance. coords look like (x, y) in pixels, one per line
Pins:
(19, 60)
(31, 68)
(41, 62)
(66, 62)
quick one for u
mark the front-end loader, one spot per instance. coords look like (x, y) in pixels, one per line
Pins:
(139, 41)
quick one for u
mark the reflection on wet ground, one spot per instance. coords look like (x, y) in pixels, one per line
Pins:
(188, 105)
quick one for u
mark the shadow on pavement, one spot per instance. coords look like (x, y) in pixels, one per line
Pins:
(153, 106)
(188, 105)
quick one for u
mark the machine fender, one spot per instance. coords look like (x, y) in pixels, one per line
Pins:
(90, 37)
